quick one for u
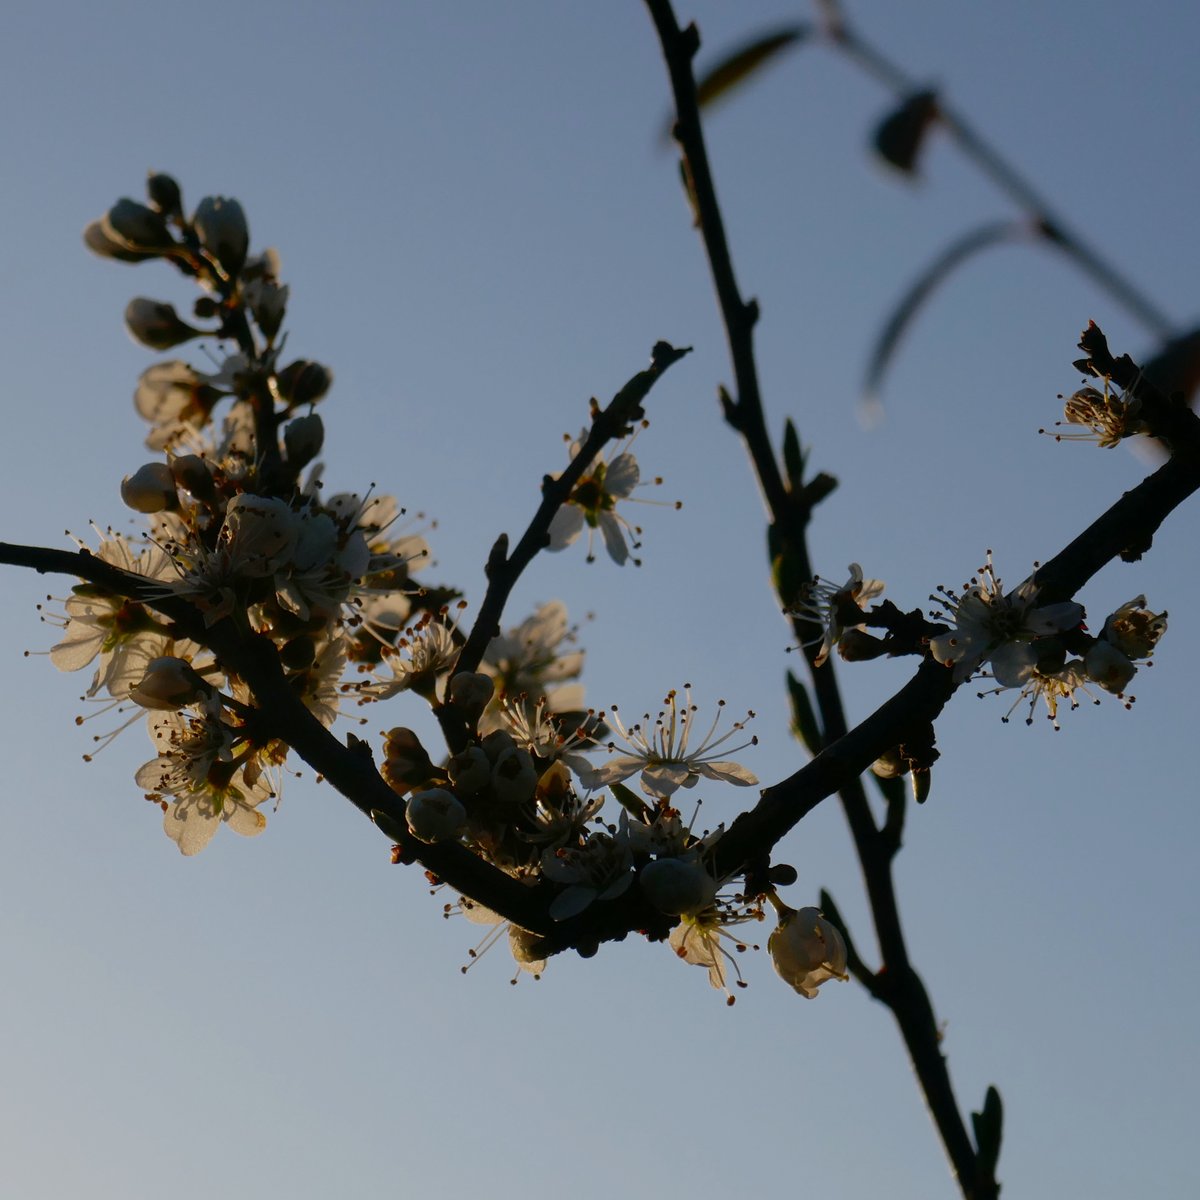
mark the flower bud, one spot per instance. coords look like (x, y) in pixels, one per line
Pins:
(169, 683)
(471, 692)
(220, 225)
(303, 382)
(192, 473)
(857, 645)
(303, 439)
(526, 948)
(1109, 667)
(677, 885)
(806, 949)
(514, 776)
(497, 743)
(890, 765)
(156, 324)
(164, 194)
(470, 771)
(268, 302)
(435, 815)
(406, 761)
(150, 489)
(135, 227)
(108, 246)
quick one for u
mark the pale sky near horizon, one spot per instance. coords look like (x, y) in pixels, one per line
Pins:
(481, 230)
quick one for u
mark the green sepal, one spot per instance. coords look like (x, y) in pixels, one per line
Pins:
(989, 1128)
(785, 570)
(804, 719)
(922, 781)
(631, 802)
(397, 830)
(793, 455)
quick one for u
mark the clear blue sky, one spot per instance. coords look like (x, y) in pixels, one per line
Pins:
(481, 231)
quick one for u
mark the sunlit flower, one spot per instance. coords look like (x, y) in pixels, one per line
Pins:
(121, 633)
(1051, 687)
(835, 609)
(806, 949)
(204, 776)
(599, 869)
(535, 659)
(658, 749)
(524, 945)
(1134, 629)
(991, 625)
(1105, 416)
(593, 504)
(426, 651)
(699, 939)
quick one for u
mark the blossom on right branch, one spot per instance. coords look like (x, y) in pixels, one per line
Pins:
(806, 949)
(990, 625)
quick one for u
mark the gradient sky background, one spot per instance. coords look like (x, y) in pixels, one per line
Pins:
(481, 231)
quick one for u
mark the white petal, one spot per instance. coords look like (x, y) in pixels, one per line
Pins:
(728, 772)
(622, 476)
(190, 824)
(565, 527)
(614, 538)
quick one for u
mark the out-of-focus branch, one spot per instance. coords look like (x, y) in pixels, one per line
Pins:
(842, 35)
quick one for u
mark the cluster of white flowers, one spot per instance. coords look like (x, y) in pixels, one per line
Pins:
(242, 536)
(1029, 647)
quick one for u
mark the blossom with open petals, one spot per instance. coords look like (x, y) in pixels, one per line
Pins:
(992, 625)
(834, 608)
(593, 504)
(657, 748)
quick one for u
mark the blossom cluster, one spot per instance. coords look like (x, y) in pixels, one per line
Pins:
(242, 536)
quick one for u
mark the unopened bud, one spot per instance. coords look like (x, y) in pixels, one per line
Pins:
(268, 302)
(470, 692)
(498, 743)
(435, 815)
(192, 473)
(1108, 667)
(164, 194)
(890, 765)
(135, 227)
(108, 246)
(857, 645)
(220, 225)
(677, 886)
(470, 771)
(514, 776)
(303, 439)
(406, 763)
(157, 324)
(150, 489)
(303, 382)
